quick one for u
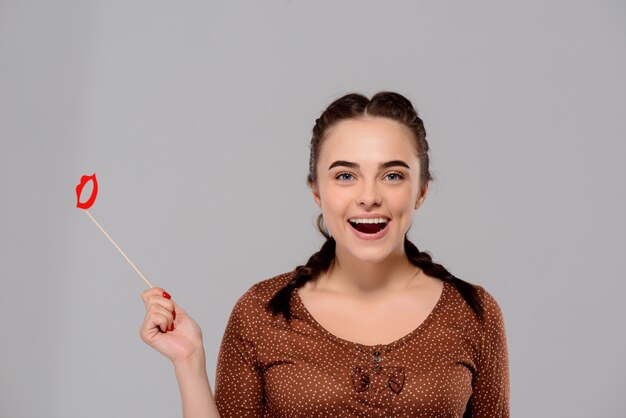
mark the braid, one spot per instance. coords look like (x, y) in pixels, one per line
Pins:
(318, 263)
(425, 263)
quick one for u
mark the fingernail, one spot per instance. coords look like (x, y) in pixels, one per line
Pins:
(174, 314)
(172, 327)
(166, 295)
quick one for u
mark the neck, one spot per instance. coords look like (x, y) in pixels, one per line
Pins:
(348, 274)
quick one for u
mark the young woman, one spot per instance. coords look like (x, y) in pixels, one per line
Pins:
(370, 326)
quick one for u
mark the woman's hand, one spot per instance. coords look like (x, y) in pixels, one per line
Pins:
(167, 327)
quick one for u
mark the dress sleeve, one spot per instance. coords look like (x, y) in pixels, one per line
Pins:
(490, 398)
(238, 384)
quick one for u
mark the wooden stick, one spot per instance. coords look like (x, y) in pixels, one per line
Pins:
(118, 248)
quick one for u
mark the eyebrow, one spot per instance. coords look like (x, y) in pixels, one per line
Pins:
(388, 164)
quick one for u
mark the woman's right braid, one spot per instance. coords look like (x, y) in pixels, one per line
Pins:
(318, 263)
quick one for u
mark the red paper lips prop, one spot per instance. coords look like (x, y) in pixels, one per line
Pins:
(94, 191)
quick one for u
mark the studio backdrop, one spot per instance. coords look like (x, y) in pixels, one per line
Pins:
(196, 117)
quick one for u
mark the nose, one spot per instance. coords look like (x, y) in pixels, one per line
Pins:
(369, 195)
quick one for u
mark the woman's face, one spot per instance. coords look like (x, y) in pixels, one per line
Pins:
(368, 185)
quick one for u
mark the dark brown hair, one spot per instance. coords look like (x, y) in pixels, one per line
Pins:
(354, 106)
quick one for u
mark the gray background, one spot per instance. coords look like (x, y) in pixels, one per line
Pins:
(196, 117)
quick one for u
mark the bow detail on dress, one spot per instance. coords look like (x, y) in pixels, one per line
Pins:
(395, 378)
(360, 379)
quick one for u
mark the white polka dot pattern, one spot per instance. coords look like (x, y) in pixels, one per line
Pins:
(452, 365)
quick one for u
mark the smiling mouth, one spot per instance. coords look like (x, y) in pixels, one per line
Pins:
(369, 226)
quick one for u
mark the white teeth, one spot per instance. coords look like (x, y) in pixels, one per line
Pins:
(368, 220)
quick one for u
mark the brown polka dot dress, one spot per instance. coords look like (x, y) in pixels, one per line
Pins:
(452, 365)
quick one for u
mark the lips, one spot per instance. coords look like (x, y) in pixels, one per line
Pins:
(368, 225)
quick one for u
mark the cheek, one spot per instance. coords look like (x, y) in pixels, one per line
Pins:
(333, 198)
(335, 206)
(332, 208)
(402, 200)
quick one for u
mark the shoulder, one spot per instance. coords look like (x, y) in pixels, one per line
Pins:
(491, 309)
(484, 336)
(264, 290)
(489, 326)
(256, 298)
(250, 312)
(492, 323)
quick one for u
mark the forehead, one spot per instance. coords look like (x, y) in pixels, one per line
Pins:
(366, 139)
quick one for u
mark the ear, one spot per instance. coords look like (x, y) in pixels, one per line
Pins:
(316, 195)
(421, 196)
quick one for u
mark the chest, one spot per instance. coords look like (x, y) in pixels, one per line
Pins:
(312, 375)
(370, 325)
(370, 321)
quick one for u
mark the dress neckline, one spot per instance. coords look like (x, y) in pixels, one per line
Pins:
(299, 304)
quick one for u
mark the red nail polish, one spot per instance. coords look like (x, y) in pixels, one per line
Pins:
(172, 327)
(174, 314)
(166, 295)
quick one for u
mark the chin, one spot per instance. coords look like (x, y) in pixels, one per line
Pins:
(370, 255)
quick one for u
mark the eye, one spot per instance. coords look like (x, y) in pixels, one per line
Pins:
(394, 176)
(344, 177)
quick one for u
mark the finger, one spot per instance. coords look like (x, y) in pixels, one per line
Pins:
(164, 296)
(151, 327)
(163, 312)
(148, 293)
(158, 320)
(179, 309)
(161, 301)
